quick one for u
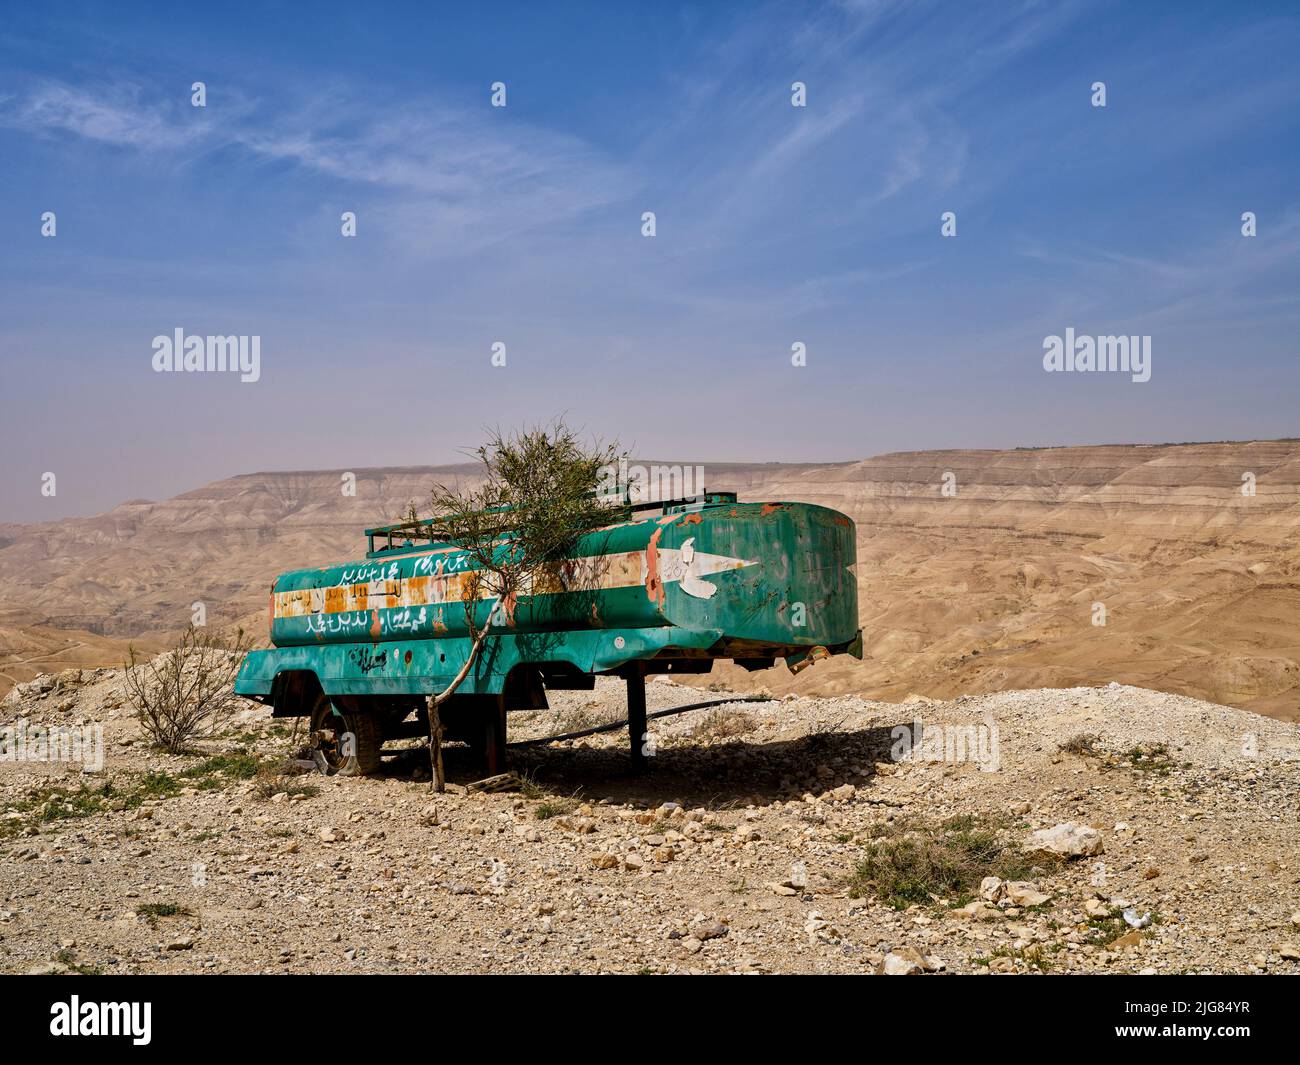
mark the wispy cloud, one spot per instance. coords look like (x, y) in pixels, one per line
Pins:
(116, 114)
(1220, 279)
(484, 177)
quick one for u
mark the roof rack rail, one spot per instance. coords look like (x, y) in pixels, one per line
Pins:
(417, 532)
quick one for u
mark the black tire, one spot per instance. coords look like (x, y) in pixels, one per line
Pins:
(344, 742)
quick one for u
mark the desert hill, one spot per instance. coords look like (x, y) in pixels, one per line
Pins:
(978, 570)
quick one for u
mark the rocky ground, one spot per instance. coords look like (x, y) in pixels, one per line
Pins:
(778, 836)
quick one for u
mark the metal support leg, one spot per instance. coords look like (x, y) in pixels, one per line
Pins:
(636, 721)
(495, 722)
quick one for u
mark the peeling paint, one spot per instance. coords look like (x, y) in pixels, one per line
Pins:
(654, 587)
(798, 663)
(508, 609)
(409, 597)
(690, 583)
(737, 578)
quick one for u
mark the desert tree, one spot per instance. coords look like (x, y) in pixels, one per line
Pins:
(535, 498)
(185, 693)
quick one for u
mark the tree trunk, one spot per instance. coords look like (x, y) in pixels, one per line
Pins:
(438, 777)
(436, 773)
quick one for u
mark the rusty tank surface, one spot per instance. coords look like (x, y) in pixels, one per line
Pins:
(670, 588)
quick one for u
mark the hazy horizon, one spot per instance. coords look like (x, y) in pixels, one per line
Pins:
(706, 461)
(775, 224)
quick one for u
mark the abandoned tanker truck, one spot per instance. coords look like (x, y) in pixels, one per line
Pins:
(669, 588)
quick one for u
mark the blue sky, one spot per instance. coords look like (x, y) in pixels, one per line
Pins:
(522, 224)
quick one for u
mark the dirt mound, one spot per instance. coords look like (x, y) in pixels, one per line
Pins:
(1091, 829)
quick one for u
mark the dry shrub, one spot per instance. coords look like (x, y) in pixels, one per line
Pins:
(1085, 744)
(917, 862)
(723, 724)
(185, 693)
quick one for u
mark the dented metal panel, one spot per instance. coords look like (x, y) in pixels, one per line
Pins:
(713, 580)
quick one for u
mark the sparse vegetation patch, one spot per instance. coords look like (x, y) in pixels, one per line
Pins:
(915, 862)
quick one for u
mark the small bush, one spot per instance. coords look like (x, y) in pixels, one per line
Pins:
(917, 862)
(185, 693)
(239, 766)
(151, 911)
(153, 784)
(1084, 745)
(723, 723)
(271, 783)
(69, 958)
(1036, 956)
(1150, 758)
(553, 807)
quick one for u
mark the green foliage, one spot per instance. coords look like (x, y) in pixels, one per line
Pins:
(48, 803)
(1150, 758)
(152, 911)
(240, 765)
(549, 808)
(916, 862)
(69, 958)
(537, 498)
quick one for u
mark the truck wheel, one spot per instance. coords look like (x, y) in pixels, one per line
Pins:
(343, 742)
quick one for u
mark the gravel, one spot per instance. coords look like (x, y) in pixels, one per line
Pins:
(735, 852)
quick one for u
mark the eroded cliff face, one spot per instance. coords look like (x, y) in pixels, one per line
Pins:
(1170, 567)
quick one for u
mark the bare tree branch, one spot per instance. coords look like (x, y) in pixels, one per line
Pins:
(185, 693)
(537, 498)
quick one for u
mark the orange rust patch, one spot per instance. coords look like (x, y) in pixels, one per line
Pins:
(815, 654)
(508, 608)
(415, 590)
(375, 628)
(769, 507)
(654, 585)
(620, 525)
(690, 519)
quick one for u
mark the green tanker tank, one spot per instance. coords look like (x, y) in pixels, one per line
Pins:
(670, 589)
